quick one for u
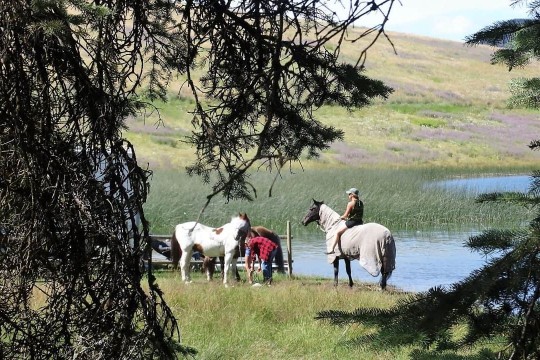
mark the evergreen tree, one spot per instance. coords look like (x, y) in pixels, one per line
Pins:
(519, 45)
(261, 111)
(71, 191)
(500, 301)
(72, 224)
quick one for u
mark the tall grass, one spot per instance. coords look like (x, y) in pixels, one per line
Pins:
(397, 198)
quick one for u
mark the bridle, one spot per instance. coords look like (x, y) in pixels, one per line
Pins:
(318, 221)
(242, 234)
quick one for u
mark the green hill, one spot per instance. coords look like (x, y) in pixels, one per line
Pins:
(448, 109)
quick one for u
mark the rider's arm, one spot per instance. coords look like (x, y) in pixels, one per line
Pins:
(347, 210)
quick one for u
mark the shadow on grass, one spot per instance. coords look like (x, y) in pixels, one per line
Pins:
(387, 340)
(483, 354)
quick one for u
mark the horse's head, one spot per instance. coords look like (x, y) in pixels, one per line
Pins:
(244, 216)
(312, 213)
(241, 227)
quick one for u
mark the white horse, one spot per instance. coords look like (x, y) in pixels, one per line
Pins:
(371, 244)
(223, 241)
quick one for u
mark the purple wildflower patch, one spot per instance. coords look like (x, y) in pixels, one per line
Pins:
(440, 134)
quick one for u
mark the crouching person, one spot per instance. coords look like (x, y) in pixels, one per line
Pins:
(264, 249)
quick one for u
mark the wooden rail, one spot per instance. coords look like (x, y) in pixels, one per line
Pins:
(158, 259)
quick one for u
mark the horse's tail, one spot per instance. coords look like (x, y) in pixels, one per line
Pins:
(389, 258)
(176, 251)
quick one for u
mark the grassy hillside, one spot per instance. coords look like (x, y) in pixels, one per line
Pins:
(448, 109)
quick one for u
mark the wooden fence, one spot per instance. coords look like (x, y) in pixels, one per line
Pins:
(158, 259)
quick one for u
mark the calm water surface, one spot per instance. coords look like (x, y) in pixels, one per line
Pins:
(487, 184)
(424, 259)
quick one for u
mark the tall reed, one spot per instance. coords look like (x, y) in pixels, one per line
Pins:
(398, 198)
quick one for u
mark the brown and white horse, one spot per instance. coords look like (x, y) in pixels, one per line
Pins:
(223, 241)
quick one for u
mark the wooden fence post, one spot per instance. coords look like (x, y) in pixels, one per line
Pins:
(289, 248)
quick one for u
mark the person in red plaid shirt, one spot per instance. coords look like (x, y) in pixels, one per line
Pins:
(265, 249)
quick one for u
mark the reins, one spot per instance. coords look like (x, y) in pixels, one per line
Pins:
(320, 227)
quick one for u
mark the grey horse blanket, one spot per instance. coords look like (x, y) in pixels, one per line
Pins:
(371, 244)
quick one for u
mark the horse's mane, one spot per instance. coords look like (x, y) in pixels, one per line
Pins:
(328, 219)
(244, 216)
(328, 213)
(234, 219)
(267, 233)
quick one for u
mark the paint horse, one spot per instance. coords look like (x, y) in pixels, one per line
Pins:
(371, 244)
(209, 263)
(223, 241)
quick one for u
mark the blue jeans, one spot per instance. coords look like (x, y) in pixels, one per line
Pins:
(267, 265)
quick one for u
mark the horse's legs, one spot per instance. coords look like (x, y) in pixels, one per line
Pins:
(234, 269)
(222, 265)
(185, 262)
(212, 268)
(384, 278)
(336, 270)
(209, 267)
(279, 260)
(226, 268)
(348, 269)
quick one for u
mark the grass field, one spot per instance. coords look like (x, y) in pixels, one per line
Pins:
(278, 322)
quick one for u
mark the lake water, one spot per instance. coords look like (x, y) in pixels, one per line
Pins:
(487, 184)
(424, 259)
